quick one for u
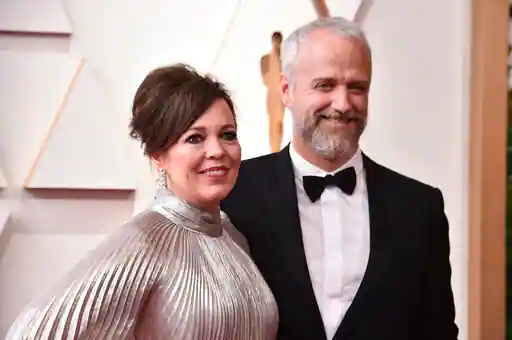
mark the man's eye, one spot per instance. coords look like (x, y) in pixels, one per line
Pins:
(194, 139)
(357, 88)
(324, 86)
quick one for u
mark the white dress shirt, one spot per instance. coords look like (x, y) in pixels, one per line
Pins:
(336, 236)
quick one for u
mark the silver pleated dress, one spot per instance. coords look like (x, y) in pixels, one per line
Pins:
(172, 272)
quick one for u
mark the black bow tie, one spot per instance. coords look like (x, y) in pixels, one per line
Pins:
(345, 180)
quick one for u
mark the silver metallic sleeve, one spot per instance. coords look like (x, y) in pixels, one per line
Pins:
(101, 297)
(156, 278)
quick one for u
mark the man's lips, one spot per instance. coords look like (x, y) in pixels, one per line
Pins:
(340, 120)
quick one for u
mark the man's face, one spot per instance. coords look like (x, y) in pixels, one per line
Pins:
(328, 93)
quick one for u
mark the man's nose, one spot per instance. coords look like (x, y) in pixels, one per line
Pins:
(341, 100)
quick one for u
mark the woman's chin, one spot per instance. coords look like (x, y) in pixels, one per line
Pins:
(215, 195)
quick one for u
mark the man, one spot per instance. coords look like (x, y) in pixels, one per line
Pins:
(351, 250)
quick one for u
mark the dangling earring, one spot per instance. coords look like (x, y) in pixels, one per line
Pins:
(160, 179)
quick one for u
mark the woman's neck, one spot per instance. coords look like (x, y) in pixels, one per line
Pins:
(212, 208)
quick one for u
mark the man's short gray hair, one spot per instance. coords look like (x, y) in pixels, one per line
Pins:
(336, 25)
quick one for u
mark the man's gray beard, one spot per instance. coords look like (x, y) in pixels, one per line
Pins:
(330, 146)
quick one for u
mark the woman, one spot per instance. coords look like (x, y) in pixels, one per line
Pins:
(178, 270)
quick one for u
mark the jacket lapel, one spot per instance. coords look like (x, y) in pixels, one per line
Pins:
(283, 208)
(282, 197)
(380, 205)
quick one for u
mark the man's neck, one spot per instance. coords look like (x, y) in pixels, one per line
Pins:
(322, 162)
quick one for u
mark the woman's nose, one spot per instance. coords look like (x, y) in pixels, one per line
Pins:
(214, 149)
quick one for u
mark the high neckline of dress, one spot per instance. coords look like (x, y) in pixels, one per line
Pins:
(190, 217)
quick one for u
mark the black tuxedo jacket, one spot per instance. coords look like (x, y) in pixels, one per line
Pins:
(405, 293)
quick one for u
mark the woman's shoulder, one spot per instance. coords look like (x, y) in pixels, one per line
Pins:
(145, 232)
(136, 241)
(234, 233)
(145, 222)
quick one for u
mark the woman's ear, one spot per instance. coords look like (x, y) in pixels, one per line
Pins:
(157, 159)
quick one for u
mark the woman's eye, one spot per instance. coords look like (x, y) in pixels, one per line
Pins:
(194, 139)
(230, 136)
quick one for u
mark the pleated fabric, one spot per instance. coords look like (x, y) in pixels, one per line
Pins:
(172, 272)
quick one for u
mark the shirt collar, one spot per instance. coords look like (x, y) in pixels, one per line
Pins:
(302, 167)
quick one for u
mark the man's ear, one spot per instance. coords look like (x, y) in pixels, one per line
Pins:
(286, 95)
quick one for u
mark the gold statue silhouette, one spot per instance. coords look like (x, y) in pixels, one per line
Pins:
(271, 72)
(270, 65)
(321, 9)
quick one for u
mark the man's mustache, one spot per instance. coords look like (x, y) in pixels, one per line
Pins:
(345, 117)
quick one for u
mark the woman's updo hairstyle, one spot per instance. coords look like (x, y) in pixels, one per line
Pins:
(168, 101)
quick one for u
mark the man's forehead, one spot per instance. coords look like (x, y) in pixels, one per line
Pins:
(325, 36)
(324, 42)
(332, 55)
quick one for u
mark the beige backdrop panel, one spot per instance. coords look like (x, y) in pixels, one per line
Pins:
(34, 16)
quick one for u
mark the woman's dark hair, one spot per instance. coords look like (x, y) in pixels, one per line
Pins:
(168, 101)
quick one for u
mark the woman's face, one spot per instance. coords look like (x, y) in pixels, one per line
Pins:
(202, 166)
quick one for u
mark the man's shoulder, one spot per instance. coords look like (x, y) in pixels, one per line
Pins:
(258, 166)
(400, 181)
(258, 161)
(252, 176)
